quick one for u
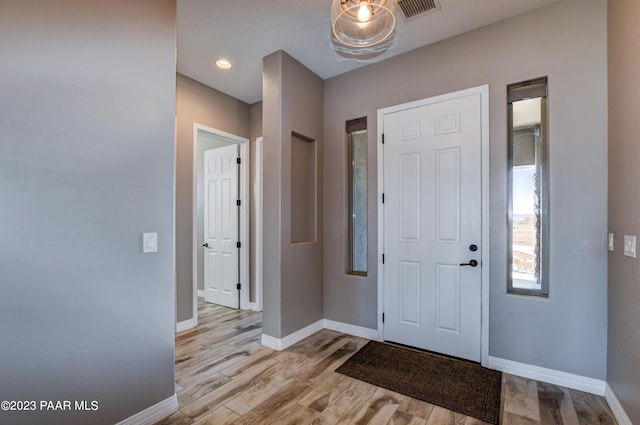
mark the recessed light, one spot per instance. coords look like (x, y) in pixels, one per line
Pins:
(223, 63)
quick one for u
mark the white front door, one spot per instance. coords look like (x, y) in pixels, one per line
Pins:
(221, 226)
(433, 227)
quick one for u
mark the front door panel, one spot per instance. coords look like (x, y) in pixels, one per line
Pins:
(432, 214)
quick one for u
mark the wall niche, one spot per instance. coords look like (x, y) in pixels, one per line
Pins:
(303, 189)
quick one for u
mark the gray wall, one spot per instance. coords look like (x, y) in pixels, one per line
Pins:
(623, 373)
(196, 103)
(293, 101)
(567, 43)
(86, 166)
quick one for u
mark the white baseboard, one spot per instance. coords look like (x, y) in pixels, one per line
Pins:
(154, 413)
(569, 380)
(201, 293)
(349, 329)
(345, 328)
(254, 307)
(289, 340)
(183, 326)
(616, 407)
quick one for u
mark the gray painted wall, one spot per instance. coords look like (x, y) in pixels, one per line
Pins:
(293, 102)
(567, 43)
(623, 373)
(196, 103)
(86, 166)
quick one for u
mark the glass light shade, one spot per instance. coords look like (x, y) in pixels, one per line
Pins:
(349, 29)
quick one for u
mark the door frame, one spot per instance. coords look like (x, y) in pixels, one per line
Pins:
(244, 214)
(483, 91)
(258, 179)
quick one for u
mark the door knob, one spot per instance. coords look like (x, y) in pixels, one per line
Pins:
(206, 245)
(471, 263)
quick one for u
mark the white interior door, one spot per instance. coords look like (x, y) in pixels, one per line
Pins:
(221, 266)
(433, 226)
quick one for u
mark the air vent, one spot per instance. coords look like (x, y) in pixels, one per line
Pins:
(412, 9)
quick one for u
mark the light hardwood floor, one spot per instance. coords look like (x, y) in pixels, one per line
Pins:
(224, 376)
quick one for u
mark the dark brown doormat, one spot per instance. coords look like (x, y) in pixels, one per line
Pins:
(457, 385)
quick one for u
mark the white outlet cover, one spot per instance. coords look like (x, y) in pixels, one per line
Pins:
(149, 242)
(630, 246)
(611, 242)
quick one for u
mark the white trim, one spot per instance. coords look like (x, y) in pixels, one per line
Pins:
(349, 329)
(486, 225)
(483, 91)
(380, 282)
(173, 248)
(194, 225)
(289, 340)
(244, 213)
(569, 380)
(345, 328)
(154, 413)
(184, 325)
(254, 307)
(201, 293)
(616, 407)
(258, 188)
(245, 277)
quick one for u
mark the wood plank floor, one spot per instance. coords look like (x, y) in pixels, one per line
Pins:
(225, 376)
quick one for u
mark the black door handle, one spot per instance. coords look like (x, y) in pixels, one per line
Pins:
(471, 263)
(206, 245)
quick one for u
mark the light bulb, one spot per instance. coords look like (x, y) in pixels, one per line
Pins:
(364, 13)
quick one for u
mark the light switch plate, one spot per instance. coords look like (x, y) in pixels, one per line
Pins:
(630, 246)
(149, 242)
(611, 242)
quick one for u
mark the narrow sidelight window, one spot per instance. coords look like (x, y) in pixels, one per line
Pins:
(528, 188)
(357, 196)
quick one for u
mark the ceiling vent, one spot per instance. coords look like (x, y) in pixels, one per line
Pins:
(412, 9)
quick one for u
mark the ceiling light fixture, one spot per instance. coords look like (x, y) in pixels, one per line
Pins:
(223, 63)
(362, 23)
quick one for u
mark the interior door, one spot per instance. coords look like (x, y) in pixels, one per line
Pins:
(432, 226)
(221, 266)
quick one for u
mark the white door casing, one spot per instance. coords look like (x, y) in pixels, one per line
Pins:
(432, 179)
(221, 259)
(258, 187)
(196, 266)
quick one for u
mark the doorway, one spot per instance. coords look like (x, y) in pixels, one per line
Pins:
(221, 226)
(433, 224)
(206, 138)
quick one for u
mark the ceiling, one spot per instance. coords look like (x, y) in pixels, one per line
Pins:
(245, 31)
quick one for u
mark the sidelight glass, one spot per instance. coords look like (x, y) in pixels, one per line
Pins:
(357, 196)
(528, 187)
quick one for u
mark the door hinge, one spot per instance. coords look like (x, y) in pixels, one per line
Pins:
(238, 161)
(383, 138)
(382, 258)
(238, 245)
(238, 203)
(383, 198)
(239, 286)
(382, 317)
